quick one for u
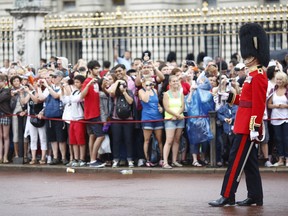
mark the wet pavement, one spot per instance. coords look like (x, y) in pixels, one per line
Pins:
(43, 192)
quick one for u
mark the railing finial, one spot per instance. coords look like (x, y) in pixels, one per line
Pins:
(205, 8)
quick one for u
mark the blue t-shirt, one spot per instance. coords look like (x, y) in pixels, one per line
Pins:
(125, 62)
(150, 110)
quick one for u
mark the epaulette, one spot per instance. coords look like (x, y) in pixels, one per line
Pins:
(254, 70)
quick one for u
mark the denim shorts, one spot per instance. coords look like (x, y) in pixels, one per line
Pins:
(173, 124)
(152, 125)
(96, 129)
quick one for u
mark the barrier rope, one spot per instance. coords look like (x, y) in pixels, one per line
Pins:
(100, 122)
(121, 121)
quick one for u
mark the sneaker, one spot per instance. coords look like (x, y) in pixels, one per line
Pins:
(81, 163)
(65, 161)
(49, 159)
(97, 164)
(55, 161)
(122, 162)
(219, 164)
(130, 164)
(71, 163)
(278, 164)
(115, 164)
(176, 164)
(141, 163)
(74, 163)
(108, 163)
(268, 164)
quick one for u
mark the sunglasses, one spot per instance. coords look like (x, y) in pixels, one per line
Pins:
(150, 84)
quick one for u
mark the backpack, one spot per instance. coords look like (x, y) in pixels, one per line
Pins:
(53, 107)
(123, 108)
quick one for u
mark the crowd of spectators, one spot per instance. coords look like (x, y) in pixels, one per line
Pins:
(84, 114)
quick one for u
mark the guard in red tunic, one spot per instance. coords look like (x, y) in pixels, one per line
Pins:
(255, 52)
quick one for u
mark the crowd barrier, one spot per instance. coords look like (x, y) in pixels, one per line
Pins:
(211, 115)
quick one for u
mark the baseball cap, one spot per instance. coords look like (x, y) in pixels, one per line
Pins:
(239, 66)
(272, 63)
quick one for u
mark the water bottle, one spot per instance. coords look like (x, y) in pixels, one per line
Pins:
(127, 172)
(70, 170)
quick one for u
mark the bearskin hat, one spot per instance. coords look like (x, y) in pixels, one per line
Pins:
(254, 43)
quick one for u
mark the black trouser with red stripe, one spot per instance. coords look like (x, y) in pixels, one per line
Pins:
(237, 156)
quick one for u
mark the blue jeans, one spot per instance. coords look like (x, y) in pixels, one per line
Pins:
(204, 148)
(281, 138)
(122, 133)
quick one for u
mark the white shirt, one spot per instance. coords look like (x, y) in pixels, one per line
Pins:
(279, 112)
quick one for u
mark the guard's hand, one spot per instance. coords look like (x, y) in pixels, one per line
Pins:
(253, 135)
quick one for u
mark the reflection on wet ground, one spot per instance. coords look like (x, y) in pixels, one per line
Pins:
(40, 193)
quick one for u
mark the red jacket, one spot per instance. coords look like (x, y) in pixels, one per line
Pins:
(251, 101)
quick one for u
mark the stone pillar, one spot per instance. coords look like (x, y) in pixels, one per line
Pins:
(28, 23)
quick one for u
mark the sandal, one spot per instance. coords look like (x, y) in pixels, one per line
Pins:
(166, 166)
(176, 164)
(33, 162)
(149, 164)
(42, 162)
(196, 164)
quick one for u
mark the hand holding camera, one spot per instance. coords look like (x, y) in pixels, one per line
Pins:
(42, 82)
(122, 85)
(190, 63)
(39, 83)
(148, 85)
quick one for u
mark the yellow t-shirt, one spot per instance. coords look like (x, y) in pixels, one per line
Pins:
(174, 104)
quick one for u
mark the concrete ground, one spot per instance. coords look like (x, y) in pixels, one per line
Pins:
(50, 190)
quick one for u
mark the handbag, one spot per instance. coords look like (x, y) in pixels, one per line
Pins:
(105, 145)
(36, 122)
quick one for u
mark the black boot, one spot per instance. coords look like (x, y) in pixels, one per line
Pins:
(249, 202)
(222, 201)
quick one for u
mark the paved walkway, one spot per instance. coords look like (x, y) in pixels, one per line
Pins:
(185, 169)
(140, 194)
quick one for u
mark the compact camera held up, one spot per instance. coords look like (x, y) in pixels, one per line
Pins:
(190, 63)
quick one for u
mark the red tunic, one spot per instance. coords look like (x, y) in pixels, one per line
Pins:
(91, 101)
(251, 101)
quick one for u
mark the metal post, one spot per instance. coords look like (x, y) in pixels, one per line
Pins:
(212, 117)
(220, 47)
(20, 159)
